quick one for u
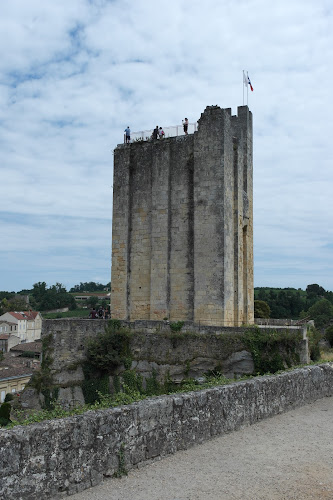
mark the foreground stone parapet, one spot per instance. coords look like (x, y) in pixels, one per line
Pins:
(57, 458)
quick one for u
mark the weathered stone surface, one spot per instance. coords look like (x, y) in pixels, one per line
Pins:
(71, 396)
(29, 398)
(182, 231)
(68, 376)
(59, 457)
(191, 353)
(239, 363)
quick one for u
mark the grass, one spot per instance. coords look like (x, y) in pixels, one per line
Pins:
(77, 313)
(326, 355)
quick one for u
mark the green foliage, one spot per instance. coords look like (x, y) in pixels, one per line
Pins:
(122, 471)
(27, 354)
(8, 397)
(153, 387)
(114, 325)
(132, 380)
(93, 301)
(77, 313)
(42, 379)
(90, 286)
(108, 350)
(289, 302)
(329, 335)
(314, 336)
(1, 356)
(261, 309)
(127, 396)
(5, 414)
(12, 303)
(321, 312)
(127, 363)
(50, 397)
(272, 351)
(93, 389)
(4, 422)
(176, 326)
(54, 297)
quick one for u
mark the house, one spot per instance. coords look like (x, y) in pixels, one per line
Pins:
(28, 324)
(8, 341)
(15, 373)
(29, 349)
(8, 327)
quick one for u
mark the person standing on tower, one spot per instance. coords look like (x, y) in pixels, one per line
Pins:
(185, 125)
(128, 134)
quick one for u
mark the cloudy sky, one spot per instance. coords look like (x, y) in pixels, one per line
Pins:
(74, 74)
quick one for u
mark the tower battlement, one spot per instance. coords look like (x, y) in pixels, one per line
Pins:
(182, 240)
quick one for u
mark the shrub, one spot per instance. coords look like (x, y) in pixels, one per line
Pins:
(261, 309)
(272, 351)
(5, 413)
(109, 350)
(93, 388)
(314, 336)
(176, 326)
(329, 335)
(9, 397)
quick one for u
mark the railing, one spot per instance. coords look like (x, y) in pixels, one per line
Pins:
(173, 131)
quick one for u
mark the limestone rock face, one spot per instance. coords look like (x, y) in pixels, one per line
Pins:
(29, 399)
(238, 364)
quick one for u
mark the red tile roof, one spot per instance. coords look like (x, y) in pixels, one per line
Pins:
(3, 336)
(28, 315)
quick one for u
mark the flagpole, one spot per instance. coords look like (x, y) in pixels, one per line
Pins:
(247, 89)
(243, 85)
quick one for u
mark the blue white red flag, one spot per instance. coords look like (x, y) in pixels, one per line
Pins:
(249, 82)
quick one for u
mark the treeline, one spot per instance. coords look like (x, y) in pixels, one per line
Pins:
(291, 302)
(90, 286)
(45, 298)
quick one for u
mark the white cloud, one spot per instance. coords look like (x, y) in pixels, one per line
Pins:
(75, 74)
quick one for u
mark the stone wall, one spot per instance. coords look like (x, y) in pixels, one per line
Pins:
(57, 458)
(182, 233)
(191, 353)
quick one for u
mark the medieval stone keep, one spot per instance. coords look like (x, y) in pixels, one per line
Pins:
(182, 239)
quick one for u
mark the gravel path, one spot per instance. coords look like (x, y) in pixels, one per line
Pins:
(287, 457)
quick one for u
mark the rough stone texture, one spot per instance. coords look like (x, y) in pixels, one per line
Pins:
(57, 458)
(182, 240)
(153, 349)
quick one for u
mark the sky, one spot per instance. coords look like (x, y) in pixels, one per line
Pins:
(74, 74)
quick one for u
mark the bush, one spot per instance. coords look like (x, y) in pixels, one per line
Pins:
(5, 413)
(261, 309)
(329, 335)
(109, 350)
(93, 388)
(321, 312)
(314, 336)
(274, 350)
(176, 326)
(9, 397)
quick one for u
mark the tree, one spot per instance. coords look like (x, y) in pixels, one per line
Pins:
(261, 309)
(321, 312)
(54, 297)
(93, 301)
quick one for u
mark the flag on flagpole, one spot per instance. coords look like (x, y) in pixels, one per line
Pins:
(249, 82)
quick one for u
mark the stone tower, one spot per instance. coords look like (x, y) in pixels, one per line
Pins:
(182, 232)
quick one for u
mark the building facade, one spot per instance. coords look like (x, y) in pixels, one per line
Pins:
(28, 324)
(182, 231)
